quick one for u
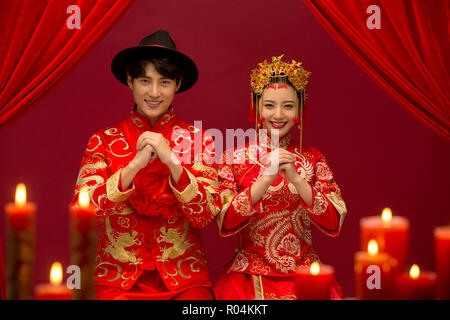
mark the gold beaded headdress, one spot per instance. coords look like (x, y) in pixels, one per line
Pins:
(278, 71)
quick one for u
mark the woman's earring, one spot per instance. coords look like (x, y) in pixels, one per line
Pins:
(260, 122)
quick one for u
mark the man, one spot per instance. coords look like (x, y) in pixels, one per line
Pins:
(152, 195)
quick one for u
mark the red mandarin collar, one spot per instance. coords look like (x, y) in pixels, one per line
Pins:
(143, 124)
(264, 140)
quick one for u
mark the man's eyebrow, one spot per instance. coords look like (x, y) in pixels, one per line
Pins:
(162, 78)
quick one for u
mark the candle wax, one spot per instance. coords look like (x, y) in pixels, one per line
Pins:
(442, 260)
(48, 291)
(314, 287)
(20, 217)
(422, 288)
(392, 237)
(381, 272)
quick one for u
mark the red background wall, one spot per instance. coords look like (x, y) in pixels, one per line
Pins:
(380, 154)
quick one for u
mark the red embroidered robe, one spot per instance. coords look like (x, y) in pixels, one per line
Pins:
(154, 224)
(275, 234)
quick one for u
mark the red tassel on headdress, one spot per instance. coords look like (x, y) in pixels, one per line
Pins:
(251, 114)
(296, 120)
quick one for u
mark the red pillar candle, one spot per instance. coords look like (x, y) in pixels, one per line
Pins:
(442, 260)
(391, 234)
(20, 246)
(374, 277)
(84, 245)
(314, 283)
(416, 285)
(53, 290)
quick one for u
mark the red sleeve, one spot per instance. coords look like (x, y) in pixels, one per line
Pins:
(183, 182)
(240, 211)
(197, 189)
(237, 206)
(94, 177)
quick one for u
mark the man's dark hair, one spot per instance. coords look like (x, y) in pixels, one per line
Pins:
(165, 66)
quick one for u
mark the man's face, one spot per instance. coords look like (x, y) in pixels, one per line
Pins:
(278, 105)
(153, 93)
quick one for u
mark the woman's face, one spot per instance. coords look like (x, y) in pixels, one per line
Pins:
(277, 105)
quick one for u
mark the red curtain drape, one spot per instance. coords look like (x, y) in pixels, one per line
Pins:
(39, 46)
(408, 56)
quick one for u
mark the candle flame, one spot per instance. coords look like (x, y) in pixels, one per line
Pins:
(56, 273)
(83, 199)
(21, 195)
(372, 247)
(314, 269)
(386, 216)
(414, 272)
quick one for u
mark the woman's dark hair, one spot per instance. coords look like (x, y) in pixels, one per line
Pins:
(165, 66)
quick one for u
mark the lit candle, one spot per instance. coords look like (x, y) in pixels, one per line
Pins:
(391, 234)
(416, 285)
(20, 245)
(442, 259)
(21, 213)
(374, 278)
(53, 290)
(314, 283)
(84, 245)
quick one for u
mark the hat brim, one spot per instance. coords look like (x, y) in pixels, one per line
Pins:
(124, 57)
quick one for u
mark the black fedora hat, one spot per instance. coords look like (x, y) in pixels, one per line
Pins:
(157, 44)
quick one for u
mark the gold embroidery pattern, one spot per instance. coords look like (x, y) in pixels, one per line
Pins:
(242, 205)
(113, 132)
(302, 224)
(124, 222)
(118, 242)
(273, 296)
(305, 168)
(265, 141)
(112, 191)
(189, 192)
(289, 245)
(320, 204)
(94, 145)
(323, 172)
(281, 247)
(115, 146)
(226, 196)
(178, 240)
(196, 260)
(89, 181)
(136, 121)
(257, 285)
(240, 262)
(209, 174)
(339, 204)
(259, 267)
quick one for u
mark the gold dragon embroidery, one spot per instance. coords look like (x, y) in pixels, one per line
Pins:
(118, 242)
(177, 239)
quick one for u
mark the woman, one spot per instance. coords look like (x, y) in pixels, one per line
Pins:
(271, 201)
